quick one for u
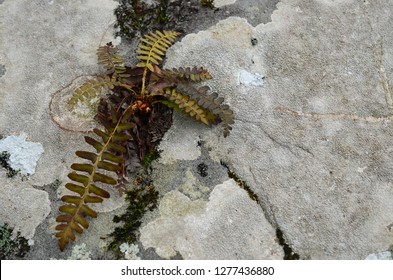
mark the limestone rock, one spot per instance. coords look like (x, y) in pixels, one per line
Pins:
(216, 229)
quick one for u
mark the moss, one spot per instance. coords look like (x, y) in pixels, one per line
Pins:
(12, 247)
(162, 16)
(207, 3)
(4, 162)
(130, 17)
(147, 160)
(142, 198)
(134, 17)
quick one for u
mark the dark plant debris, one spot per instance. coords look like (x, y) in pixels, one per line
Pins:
(135, 17)
(12, 247)
(4, 162)
(141, 198)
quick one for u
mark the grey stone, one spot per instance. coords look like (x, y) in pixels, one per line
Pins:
(2, 70)
(314, 143)
(215, 229)
(44, 46)
(22, 207)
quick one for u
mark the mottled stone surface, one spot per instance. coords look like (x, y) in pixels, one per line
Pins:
(213, 229)
(44, 45)
(312, 96)
(314, 141)
(22, 207)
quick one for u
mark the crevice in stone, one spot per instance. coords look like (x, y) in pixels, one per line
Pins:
(241, 183)
(268, 213)
(289, 254)
(2, 69)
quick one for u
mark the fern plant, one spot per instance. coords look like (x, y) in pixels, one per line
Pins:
(134, 117)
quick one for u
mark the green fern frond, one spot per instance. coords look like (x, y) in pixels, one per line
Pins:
(107, 158)
(189, 105)
(152, 50)
(90, 90)
(212, 103)
(186, 74)
(108, 57)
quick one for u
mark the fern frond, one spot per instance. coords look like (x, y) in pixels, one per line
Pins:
(212, 103)
(107, 158)
(108, 57)
(90, 90)
(152, 50)
(189, 105)
(186, 74)
(114, 65)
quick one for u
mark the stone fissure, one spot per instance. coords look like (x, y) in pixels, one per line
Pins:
(289, 254)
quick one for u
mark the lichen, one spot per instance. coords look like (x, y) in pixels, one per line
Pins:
(130, 251)
(79, 252)
(23, 154)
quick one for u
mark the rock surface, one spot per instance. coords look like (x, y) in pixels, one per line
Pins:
(23, 155)
(312, 141)
(312, 96)
(194, 227)
(23, 207)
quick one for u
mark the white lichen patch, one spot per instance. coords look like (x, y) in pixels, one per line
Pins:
(130, 251)
(167, 233)
(79, 252)
(221, 3)
(250, 79)
(386, 255)
(23, 154)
